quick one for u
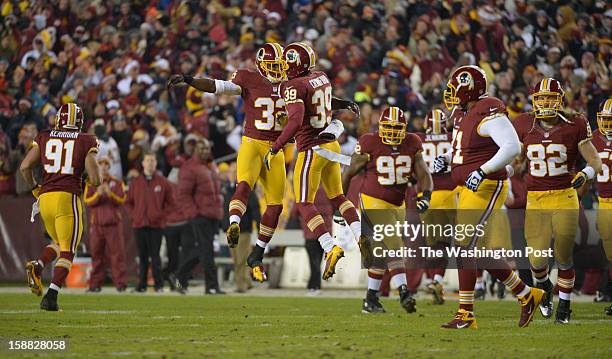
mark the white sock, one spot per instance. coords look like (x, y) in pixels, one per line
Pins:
(438, 278)
(374, 284)
(261, 244)
(326, 241)
(542, 280)
(234, 218)
(356, 228)
(525, 291)
(54, 287)
(565, 296)
(398, 280)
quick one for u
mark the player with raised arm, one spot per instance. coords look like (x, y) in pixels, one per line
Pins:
(484, 142)
(389, 158)
(602, 140)
(65, 154)
(264, 112)
(552, 140)
(436, 141)
(309, 101)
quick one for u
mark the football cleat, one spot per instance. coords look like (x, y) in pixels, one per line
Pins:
(437, 291)
(608, 310)
(406, 299)
(367, 252)
(255, 261)
(546, 307)
(462, 320)
(529, 303)
(563, 312)
(371, 304)
(233, 234)
(331, 259)
(49, 303)
(34, 281)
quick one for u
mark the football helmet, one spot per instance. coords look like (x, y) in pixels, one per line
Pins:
(299, 58)
(547, 99)
(435, 122)
(604, 118)
(69, 117)
(392, 126)
(269, 60)
(467, 83)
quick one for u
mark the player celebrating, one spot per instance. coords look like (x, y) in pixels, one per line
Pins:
(552, 140)
(65, 153)
(484, 142)
(602, 140)
(309, 101)
(389, 159)
(437, 141)
(263, 108)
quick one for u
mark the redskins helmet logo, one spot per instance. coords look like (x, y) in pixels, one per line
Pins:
(292, 56)
(465, 79)
(261, 53)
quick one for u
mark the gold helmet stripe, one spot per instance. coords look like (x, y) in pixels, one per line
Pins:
(310, 52)
(607, 107)
(436, 121)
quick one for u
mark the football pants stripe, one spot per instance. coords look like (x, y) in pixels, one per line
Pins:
(305, 177)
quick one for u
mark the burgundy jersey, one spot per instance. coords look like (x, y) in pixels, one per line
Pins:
(315, 92)
(552, 153)
(62, 155)
(470, 149)
(434, 146)
(603, 180)
(389, 167)
(261, 104)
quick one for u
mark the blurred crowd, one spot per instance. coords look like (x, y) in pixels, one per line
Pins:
(114, 59)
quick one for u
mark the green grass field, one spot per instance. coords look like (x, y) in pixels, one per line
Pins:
(260, 327)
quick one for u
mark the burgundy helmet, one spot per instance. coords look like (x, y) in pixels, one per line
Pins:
(69, 117)
(269, 60)
(547, 99)
(467, 83)
(392, 126)
(435, 122)
(299, 58)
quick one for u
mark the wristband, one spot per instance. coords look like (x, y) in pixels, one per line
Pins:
(188, 79)
(589, 172)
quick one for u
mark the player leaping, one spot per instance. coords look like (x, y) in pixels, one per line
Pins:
(484, 142)
(65, 154)
(309, 101)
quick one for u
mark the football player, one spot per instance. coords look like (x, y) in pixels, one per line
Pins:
(389, 158)
(602, 140)
(264, 110)
(484, 142)
(65, 154)
(436, 141)
(552, 140)
(308, 97)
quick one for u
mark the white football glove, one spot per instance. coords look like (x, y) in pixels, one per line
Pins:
(440, 165)
(475, 179)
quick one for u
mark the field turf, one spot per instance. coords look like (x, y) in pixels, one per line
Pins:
(261, 327)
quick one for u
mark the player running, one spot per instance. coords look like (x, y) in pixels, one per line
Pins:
(484, 142)
(309, 101)
(65, 154)
(437, 141)
(552, 140)
(602, 140)
(389, 158)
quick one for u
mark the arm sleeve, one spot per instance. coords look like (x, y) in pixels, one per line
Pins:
(91, 195)
(501, 131)
(295, 114)
(585, 133)
(168, 198)
(117, 194)
(227, 88)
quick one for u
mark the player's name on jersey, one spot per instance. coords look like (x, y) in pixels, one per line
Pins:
(319, 81)
(459, 252)
(64, 134)
(430, 137)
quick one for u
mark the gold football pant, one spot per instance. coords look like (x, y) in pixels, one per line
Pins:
(312, 170)
(604, 217)
(250, 169)
(62, 215)
(549, 214)
(476, 210)
(441, 212)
